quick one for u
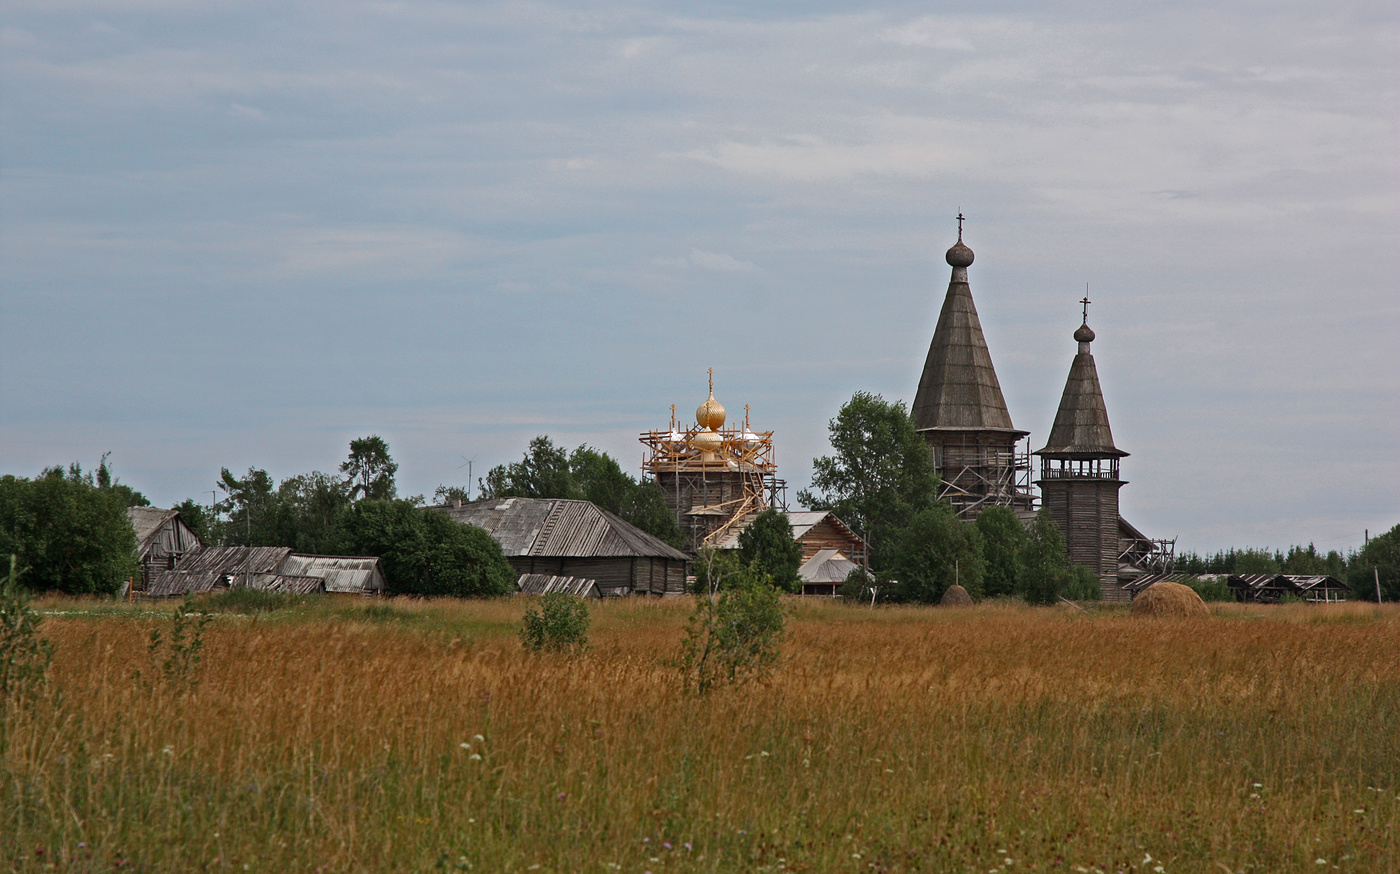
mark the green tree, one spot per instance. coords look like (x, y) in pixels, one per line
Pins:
(881, 474)
(1045, 571)
(647, 509)
(252, 511)
(935, 550)
(1380, 556)
(736, 629)
(544, 472)
(198, 518)
(73, 536)
(309, 511)
(561, 624)
(370, 470)
(1082, 585)
(1003, 538)
(426, 552)
(767, 546)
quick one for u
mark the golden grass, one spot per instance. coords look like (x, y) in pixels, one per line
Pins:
(992, 738)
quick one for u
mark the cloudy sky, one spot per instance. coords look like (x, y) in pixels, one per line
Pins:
(240, 234)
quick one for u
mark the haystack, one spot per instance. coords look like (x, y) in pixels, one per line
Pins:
(1168, 599)
(956, 596)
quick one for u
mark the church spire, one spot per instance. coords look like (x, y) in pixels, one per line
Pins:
(1081, 423)
(959, 389)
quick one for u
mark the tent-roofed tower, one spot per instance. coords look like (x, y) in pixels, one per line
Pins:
(961, 412)
(1079, 470)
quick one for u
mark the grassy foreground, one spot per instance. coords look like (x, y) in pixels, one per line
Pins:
(420, 737)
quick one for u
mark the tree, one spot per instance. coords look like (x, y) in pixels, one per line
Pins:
(426, 552)
(108, 482)
(767, 546)
(1381, 556)
(1045, 571)
(935, 550)
(71, 535)
(880, 475)
(252, 512)
(544, 472)
(309, 510)
(1003, 538)
(737, 626)
(198, 518)
(369, 469)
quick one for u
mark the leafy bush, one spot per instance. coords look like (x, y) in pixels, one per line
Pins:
(560, 624)
(174, 661)
(767, 546)
(1083, 585)
(427, 552)
(935, 551)
(1209, 589)
(734, 633)
(72, 535)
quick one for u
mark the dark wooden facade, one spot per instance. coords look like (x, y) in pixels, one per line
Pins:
(1079, 472)
(705, 498)
(162, 539)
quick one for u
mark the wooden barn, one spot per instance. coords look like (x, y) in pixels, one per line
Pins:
(1272, 588)
(830, 549)
(162, 539)
(568, 538)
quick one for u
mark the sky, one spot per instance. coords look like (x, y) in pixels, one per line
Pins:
(242, 234)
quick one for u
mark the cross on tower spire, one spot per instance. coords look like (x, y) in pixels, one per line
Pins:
(960, 221)
(1086, 303)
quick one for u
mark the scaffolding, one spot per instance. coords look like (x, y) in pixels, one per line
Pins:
(714, 478)
(982, 469)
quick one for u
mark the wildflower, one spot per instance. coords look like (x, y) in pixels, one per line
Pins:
(666, 844)
(464, 745)
(688, 848)
(1321, 862)
(168, 750)
(478, 738)
(1146, 857)
(475, 757)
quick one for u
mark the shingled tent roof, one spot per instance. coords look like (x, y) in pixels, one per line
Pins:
(1081, 423)
(959, 389)
(559, 528)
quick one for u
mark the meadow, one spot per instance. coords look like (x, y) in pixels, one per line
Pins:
(420, 736)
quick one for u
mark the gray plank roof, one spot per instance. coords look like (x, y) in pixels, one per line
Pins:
(801, 521)
(202, 571)
(958, 389)
(559, 527)
(346, 574)
(147, 521)
(1081, 422)
(545, 584)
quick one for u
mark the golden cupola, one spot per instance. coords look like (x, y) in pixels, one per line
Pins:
(710, 417)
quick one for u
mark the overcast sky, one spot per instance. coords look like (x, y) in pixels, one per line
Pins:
(241, 234)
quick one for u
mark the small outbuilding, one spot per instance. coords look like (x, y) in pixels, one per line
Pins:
(830, 549)
(162, 539)
(567, 538)
(548, 584)
(271, 568)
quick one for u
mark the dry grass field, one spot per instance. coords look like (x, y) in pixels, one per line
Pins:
(421, 737)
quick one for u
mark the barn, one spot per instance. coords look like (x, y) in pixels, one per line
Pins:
(567, 538)
(273, 568)
(162, 539)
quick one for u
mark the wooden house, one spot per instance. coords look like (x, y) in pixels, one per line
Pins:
(566, 538)
(162, 539)
(830, 549)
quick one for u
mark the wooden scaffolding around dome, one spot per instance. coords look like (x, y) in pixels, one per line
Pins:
(713, 477)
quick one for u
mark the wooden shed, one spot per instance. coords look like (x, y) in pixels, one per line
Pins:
(343, 574)
(567, 538)
(162, 539)
(1319, 588)
(273, 568)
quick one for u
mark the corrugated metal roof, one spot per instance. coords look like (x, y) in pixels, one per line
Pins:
(958, 389)
(558, 527)
(1081, 422)
(345, 574)
(547, 584)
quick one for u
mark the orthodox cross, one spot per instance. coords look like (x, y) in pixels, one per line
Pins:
(960, 221)
(1086, 303)
(712, 380)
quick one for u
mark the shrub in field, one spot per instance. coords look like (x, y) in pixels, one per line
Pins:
(560, 623)
(734, 633)
(1210, 589)
(24, 656)
(174, 660)
(1082, 585)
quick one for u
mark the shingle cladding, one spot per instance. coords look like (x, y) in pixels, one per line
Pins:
(959, 389)
(1081, 423)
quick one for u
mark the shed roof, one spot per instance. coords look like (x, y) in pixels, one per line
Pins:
(559, 527)
(827, 566)
(1081, 422)
(210, 567)
(958, 389)
(346, 574)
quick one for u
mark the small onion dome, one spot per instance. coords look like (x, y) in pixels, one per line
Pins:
(749, 437)
(959, 255)
(707, 441)
(1084, 334)
(675, 437)
(710, 414)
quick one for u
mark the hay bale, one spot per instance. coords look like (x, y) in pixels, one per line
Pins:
(1168, 599)
(956, 596)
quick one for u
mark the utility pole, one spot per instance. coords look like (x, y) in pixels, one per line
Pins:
(1377, 572)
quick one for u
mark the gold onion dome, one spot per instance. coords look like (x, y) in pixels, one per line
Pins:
(710, 414)
(707, 441)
